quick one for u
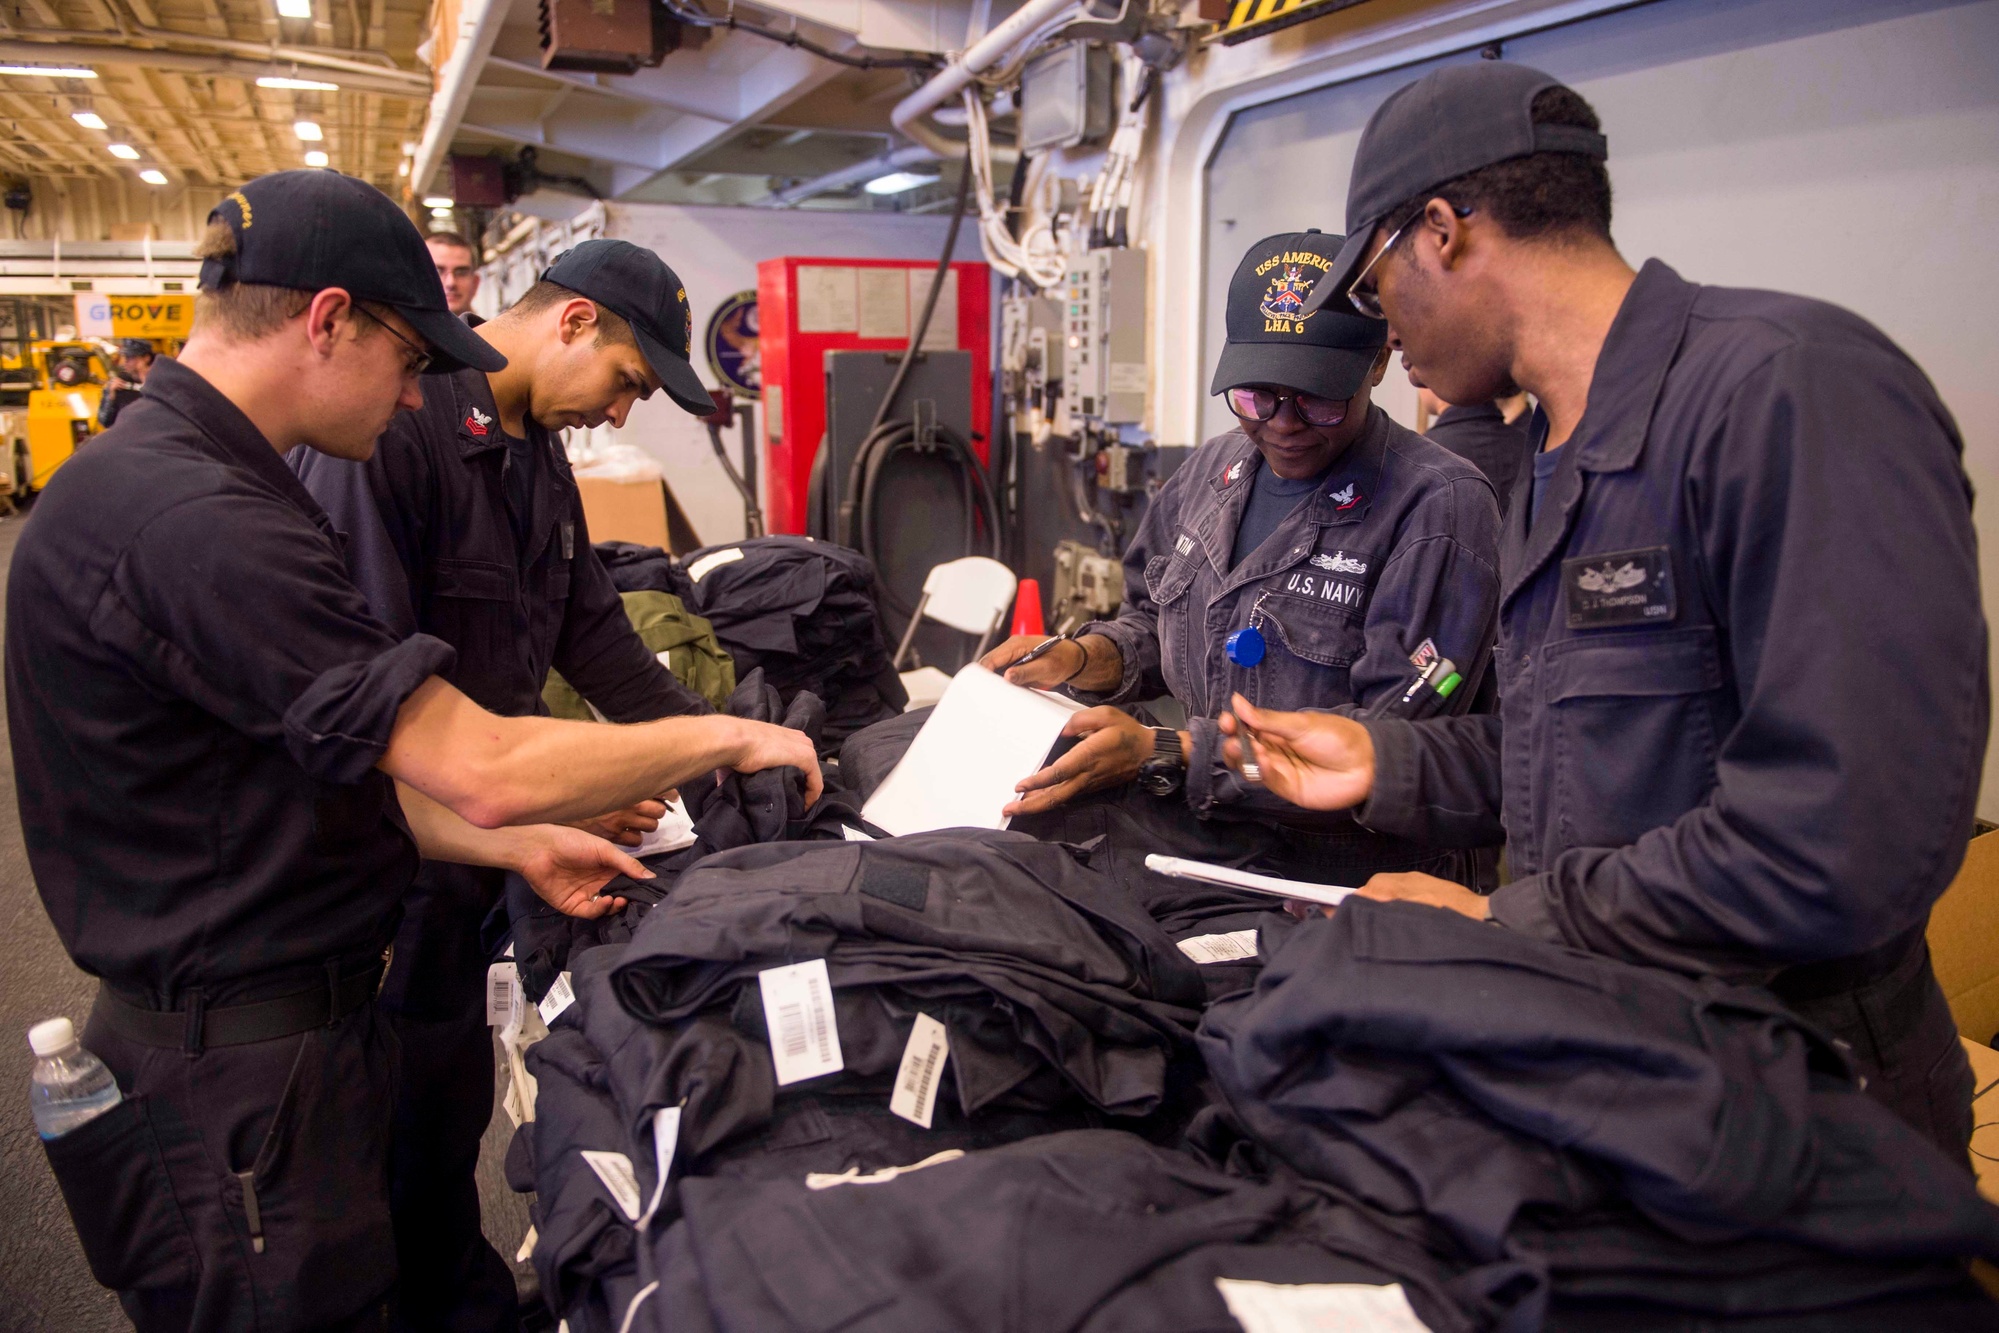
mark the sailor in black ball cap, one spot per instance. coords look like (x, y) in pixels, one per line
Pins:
(1742, 657)
(227, 768)
(1318, 554)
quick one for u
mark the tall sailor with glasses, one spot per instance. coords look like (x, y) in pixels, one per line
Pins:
(1319, 554)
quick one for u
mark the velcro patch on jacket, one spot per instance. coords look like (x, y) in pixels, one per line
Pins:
(1620, 588)
(903, 885)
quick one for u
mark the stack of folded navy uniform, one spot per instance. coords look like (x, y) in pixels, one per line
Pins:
(1411, 1120)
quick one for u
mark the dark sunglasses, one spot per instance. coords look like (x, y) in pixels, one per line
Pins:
(1253, 404)
(419, 360)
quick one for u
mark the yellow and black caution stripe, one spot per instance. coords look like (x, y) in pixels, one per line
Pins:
(1256, 18)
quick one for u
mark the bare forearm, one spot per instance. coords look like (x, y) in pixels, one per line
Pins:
(443, 836)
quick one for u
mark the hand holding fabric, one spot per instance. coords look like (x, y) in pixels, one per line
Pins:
(626, 827)
(567, 866)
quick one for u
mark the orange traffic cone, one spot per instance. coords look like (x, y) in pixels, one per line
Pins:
(1027, 609)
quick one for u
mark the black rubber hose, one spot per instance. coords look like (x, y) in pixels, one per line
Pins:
(872, 460)
(929, 302)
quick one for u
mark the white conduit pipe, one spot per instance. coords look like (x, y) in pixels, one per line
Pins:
(954, 78)
(478, 25)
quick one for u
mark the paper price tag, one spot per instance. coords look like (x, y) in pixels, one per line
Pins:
(560, 996)
(1269, 1307)
(922, 1068)
(798, 1012)
(615, 1170)
(665, 1138)
(502, 979)
(1229, 948)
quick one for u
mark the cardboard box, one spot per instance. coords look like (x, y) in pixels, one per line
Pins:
(1964, 941)
(624, 511)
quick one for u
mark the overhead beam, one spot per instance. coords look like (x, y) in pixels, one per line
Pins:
(379, 82)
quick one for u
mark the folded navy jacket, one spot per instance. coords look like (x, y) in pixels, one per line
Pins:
(1603, 1119)
(1033, 963)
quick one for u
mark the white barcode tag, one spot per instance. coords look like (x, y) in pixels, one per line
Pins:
(915, 1095)
(501, 979)
(615, 1170)
(665, 1138)
(560, 996)
(798, 1011)
(1270, 1307)
(1229, 948)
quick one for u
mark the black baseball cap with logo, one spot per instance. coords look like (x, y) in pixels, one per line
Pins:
(1449, 122)
(311, 230)
(1275, 338)
(635, 284)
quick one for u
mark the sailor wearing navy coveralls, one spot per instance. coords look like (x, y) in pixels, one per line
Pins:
(1742, 657)
(1327, 588)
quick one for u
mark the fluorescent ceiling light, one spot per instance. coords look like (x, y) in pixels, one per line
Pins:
(403, 167)
(294, 9)
(315, 158)
(896, 182)
(90, 120)
(153, 177)
(124, 150)
(443, 201)
(303, 85)
(49, 72)
(443, 213)
(410, 146)
(308, 130)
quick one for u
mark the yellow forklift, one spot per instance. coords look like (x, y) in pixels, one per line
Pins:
(68, 379)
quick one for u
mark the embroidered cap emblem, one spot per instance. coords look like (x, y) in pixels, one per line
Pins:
(477, 422)
(1286, 297)
(1346, 497)
(1341, 563)
(1610, 577)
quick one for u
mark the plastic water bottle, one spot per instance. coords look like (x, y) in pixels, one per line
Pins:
(70, 1085)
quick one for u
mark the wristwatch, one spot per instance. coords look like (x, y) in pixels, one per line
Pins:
(1166, 771)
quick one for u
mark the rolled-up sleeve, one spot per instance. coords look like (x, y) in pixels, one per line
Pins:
(264, 631)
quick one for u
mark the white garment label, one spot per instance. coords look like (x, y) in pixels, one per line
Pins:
(825, 1180)
(1268, 1307)
(922, 1069)
(798, 1012)
(1229, 948)
(852, 834)
(560, 996)
(713, 560)
(526, 1251)
(615, 1170)
(665, 1138)
(501, 981)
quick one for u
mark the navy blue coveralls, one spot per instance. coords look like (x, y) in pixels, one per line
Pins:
(432, 540)
(1742, 677)
(197, 697)
(1396, 550)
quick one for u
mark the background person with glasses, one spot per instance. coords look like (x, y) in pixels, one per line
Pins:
(1319, 554)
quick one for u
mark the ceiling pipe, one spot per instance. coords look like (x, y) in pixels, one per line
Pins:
(102, 44)
(955, 77)
(374, 81)
(478, 26)
(911, 155)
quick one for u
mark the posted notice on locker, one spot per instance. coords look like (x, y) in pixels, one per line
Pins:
(798, 1013)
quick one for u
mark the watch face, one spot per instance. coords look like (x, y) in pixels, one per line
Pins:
(1160, 778)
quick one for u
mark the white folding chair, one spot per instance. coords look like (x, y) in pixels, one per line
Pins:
(970, 595)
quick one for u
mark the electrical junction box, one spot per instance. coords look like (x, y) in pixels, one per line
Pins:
(605, 36)
(807, 307)
(1066, 98)
(1103, 315)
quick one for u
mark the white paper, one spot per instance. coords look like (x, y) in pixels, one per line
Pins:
(714, 560)
(798, 1012)
(1229, 948)
(615, 1170)
(921, 1070)
(1180, 868)
(852, 834)
(960, 771)
(826, 299)
(942, 335)
(676, 829)
(560, 996)
(884, 301)
(1349, 1307)
(825, 1180)
(502, 979)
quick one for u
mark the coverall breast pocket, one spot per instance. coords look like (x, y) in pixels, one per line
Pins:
(472, 605)
(115, 1182)
(1167, 579)
(1634, 735)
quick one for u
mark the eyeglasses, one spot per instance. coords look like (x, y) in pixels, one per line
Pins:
(419, 360)
(1254, 404)
(1368, 300)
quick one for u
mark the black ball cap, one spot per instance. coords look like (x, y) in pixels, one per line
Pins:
(1451, 121)
(635, 284)
(1272, 339)
(311, 230)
